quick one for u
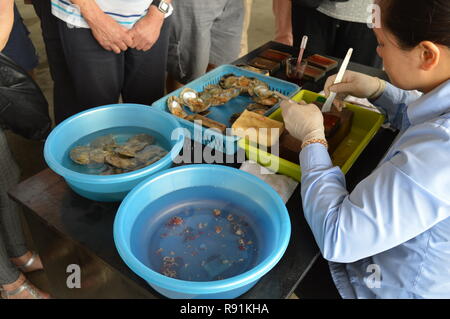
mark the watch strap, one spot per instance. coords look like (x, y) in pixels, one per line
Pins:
(162, 6)
(156, 3)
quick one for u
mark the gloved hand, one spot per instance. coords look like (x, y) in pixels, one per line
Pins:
(355, 84)
(303, 121)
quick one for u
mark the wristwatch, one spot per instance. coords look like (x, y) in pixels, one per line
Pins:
(162, 6)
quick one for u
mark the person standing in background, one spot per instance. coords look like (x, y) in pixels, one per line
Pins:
(15, 258)
(247, 16)
(283, 26)
(282, 10)
(204, 34)
(335, 26)
(65, 102)
(115, 50)
(19, 47)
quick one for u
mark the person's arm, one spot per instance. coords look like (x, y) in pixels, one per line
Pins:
(393, 102)
(108, 33)
(401, 199)
(6, 21)
(146, 31)
(385, 210)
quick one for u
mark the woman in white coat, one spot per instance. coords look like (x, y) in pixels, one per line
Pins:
(389, 237)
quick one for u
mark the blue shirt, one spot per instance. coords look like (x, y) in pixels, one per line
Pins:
(390, 237)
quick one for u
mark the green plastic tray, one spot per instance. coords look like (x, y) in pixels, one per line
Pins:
(365, 125)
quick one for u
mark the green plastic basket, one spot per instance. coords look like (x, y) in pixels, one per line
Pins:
(366, 124)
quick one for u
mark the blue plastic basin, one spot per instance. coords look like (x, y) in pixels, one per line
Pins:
(143, 212)
(114, 187)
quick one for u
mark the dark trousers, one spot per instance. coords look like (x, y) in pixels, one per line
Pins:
(101, 76)
(12, 241)
(332, 37)
(64, 99)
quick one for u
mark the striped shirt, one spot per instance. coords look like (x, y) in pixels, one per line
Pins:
(125, 12)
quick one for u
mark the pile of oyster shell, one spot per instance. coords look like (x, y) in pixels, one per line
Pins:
(106, 157)
(229, 87)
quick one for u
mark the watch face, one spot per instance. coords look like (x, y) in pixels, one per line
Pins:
(164, 6)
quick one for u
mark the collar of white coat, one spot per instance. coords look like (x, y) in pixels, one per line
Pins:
(430, 105)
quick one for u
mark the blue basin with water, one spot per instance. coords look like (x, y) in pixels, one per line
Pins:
(202, 231)
(126, 119)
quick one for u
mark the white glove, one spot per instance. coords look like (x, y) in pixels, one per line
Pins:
(303, 121)
(355, 84)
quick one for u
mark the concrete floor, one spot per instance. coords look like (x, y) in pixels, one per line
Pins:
(28, 154)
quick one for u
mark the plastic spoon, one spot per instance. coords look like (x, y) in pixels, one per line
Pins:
(302, 51)
(327, 106)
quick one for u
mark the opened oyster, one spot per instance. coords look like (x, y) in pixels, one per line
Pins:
(268, 101)
(261, 90)
(215, 95)
(257, 108)
(230, 86)
(175, 107)
(242, 83)
(228, 81)
(191, 99)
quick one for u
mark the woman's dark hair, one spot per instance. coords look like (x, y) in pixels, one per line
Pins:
(414, 21)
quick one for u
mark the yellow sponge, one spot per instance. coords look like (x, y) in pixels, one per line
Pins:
(258, 128)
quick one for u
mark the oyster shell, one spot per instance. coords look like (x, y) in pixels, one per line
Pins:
(144, 138)
(191, 99)
(86, 155)
(269, 101)
(122, 162)
(244, 84)
(213, 89)
(97, 156)
(255, 107)
(231, 93)
(134, 145)
(109, 158)
(130, 149)
(262, 91)
(175, 107)
(215, 95)
(228, 81)
(150, 152)
(207, 97)
(80, 155)
(188, 94)
(106, 142)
